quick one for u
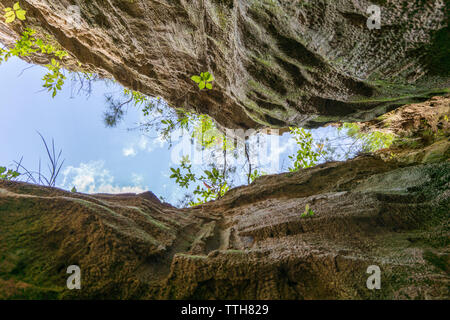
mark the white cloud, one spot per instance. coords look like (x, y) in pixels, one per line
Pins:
(116, 189)
(127, 152)
(137, 178)
(92, 177)
(143, 144)
(277, 150)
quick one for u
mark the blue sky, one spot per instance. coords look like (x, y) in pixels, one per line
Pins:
(77, 127)
(97, 159)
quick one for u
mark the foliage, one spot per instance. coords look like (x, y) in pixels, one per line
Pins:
(15, 12)
(138, 99)
(54, 80)
(204, 80)
(28, 44)
(162, 118)
(183, 180)
(8, 174)
(306, 155)
(115, 113)
(308, 212)
(208, 135)
(205, 132)
(214, 183)
(73, 190)
(256, 174)
(166, 120)
(371, 141)
(350, 141)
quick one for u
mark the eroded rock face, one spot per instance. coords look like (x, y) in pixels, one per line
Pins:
(421, 131)
(252, 244)
(276, 63)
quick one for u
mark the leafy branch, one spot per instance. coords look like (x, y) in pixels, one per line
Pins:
(8, 174)
(15, 12)
(306, 155)
(214, 183)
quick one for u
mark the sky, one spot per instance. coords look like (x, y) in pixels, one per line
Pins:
(97, 159)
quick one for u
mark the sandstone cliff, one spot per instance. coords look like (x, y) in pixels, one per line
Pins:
(276, 63)
(252, 244)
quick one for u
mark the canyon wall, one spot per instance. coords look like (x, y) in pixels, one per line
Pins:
(275, 63)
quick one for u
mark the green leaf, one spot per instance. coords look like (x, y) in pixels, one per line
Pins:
(10, 19)
(2, 169)
(209, 86)
(201, 85)
(16, 6)
(7, 9)
(21, 14)
(197, 79)
(209, 77)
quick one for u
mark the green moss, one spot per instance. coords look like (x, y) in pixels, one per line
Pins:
(256, 114)
(267, 92)
(93, 206)
(440, 262)
(264, 61)
(407, 143)
(33, 293)
(234, 251)
(191, 256)
(400, 93)
(222, 17)
(148, 217)
(23, 259)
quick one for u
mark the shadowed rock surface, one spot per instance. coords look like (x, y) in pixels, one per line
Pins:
(276, 63)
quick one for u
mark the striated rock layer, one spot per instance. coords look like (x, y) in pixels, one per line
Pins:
(276, 63)
(251, 244)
